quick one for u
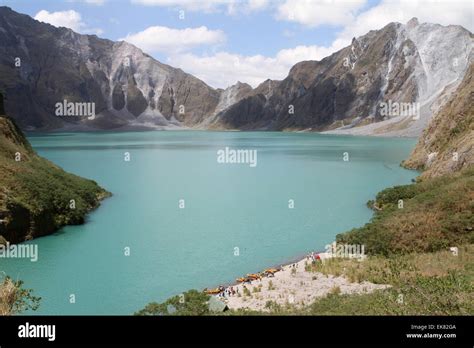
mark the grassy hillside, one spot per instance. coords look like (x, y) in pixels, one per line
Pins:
(436, 214)
(36, 196)
(437, 283)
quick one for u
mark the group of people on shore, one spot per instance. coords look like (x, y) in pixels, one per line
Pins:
(224, 292)
(227, 291)
(313, 257)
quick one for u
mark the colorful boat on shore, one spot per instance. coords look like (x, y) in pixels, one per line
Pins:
(213, 291)
(254, 276)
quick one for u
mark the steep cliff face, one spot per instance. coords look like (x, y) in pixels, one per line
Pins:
(37, 197)
(447, 144)
(397, 64)
(42, 65)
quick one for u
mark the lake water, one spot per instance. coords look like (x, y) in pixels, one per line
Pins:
(226, 206)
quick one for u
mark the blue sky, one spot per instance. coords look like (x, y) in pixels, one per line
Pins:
(222, 41)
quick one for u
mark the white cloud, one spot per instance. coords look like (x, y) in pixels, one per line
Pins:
(445, 12)
(347, 13)
(224, 69)
(95, 2)
(291, 56)
(206, 6)
(69, 19)
(169, 40)
(90, 2)
(241, 6)
(230, 6)
(313, 13)
(456, 12)
(257, 4)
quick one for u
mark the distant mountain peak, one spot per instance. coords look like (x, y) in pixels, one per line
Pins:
(128, 87)
(412, 22)
(400, 63)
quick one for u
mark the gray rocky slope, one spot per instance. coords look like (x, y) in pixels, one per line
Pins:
(412, 63)
(399, 63)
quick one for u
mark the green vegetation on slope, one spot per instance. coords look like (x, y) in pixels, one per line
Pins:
(36, 196)
(436, 214)
(192, 302)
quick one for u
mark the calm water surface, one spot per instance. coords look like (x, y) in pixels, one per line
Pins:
(226, 207)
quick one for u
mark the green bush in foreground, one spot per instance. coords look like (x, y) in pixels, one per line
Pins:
(191, 302)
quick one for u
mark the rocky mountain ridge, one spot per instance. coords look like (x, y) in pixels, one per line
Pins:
(399, 64)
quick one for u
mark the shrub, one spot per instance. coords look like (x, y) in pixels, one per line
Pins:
(192, 302)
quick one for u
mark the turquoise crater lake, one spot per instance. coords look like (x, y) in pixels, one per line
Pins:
(227, 206)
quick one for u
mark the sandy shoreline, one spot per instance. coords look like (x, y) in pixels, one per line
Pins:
(293, 285)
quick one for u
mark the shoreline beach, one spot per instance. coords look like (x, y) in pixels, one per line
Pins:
(292, 284)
